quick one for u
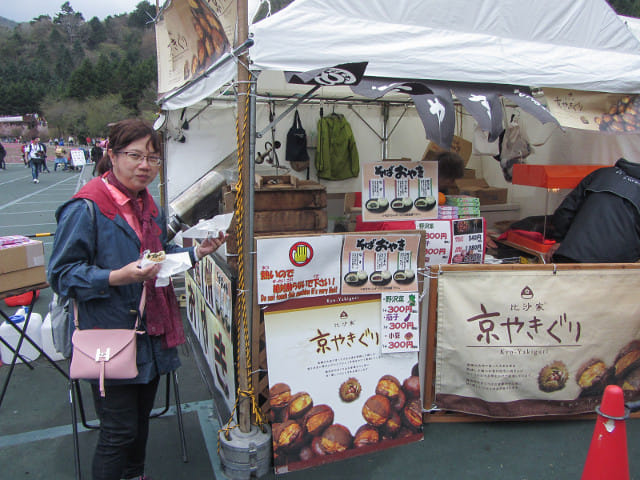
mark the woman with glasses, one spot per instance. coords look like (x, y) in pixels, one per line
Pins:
(96, 261)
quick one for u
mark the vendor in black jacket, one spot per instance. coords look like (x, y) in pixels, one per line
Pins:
(599, 221)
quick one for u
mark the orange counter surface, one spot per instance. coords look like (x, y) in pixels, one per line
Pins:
(551, 176)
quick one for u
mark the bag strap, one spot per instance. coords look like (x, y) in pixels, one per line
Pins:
(143, 301)
(296, 120)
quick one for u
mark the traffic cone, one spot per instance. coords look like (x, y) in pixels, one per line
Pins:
(607, 458)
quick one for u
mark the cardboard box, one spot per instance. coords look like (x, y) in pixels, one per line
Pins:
(459, 145)
(469, 173)
(478, 187)
(22, 278)
(21, 257)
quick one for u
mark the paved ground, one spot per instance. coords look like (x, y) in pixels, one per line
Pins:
(35, 440)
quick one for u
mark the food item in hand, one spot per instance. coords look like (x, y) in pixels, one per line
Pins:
(317, 419)
(350, 390)
(411, 387)
(627, 359)
(366, 435)
(553, 377)
(592, 376)
(300, 404)
(389, 386)
(157, 257)
(412, 414)
(287, 436)
(376, 410)
(335, 439)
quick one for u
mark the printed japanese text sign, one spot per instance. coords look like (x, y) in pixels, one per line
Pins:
(437, 240)
(301, 266)
(467, 244)
(213, 337)
(514, 343)
(380, 263)
(400, 322)
(399, 190)
(333, 395)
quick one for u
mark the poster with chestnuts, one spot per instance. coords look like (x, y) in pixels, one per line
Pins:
(333, 394)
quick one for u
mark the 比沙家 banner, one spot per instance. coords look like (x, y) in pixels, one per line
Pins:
(537, 342)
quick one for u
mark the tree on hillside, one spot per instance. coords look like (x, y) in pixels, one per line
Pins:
(143, 15)
(70, 20)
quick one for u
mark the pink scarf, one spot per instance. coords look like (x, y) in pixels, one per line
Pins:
(163, 315)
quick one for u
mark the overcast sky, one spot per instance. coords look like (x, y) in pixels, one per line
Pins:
(25, 10)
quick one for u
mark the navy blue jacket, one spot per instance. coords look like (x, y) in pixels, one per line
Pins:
(599, 221)
(84, 253)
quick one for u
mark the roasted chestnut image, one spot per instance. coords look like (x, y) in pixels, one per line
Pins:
(380, 277)
(335, 439)
(377, 205)
(350, 390)
(631, 383)
(425, 204)
(355, 279)
(627, 359)
(404, 276)
(412, 414)
(300, 404)
(553, 377)
(279, 395)
(366, 435)
(376, 410)
(411, 387)
(399, 401)
(392, 426)
(592, 377)
(401, 205)
(287, 436)
(389, 386)
(317, 419)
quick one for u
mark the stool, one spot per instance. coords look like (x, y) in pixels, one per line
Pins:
(75, 395)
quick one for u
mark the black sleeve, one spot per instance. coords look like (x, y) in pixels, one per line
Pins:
(566, 211)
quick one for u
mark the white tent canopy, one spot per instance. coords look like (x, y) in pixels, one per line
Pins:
(573, 44)
(577, 44)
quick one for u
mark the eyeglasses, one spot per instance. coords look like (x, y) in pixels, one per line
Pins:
(153, 160)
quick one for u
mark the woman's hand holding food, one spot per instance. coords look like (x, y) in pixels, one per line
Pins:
(133, 273)
(210, 245)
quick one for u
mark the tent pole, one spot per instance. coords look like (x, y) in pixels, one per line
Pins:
(244, 406)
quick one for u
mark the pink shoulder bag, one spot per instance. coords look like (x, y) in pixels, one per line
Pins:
(100, 353)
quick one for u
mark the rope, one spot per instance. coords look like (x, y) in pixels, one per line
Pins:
(243, 321)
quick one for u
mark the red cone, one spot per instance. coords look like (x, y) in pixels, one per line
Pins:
(607, 458)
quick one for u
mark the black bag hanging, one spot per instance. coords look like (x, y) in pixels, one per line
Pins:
(296, 152)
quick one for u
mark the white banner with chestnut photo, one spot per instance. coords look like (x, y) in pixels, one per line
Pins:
(333, 394)
(516, 343)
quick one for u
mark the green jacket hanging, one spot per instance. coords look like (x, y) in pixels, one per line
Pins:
(337, 154)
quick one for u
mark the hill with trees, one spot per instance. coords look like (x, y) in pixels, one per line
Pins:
(80, 75)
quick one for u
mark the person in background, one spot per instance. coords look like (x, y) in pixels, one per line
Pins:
(96, 262)
(43, 163)
(35, 154)
(450, 169)
(599, 220)
(3, 154)
(60, 153)
(96, 156)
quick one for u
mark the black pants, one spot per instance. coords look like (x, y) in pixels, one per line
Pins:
(124, 428)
